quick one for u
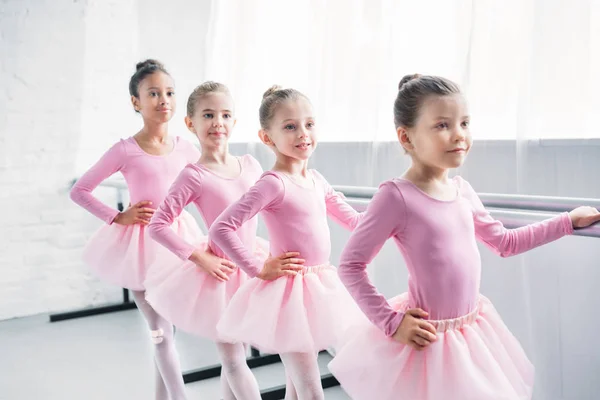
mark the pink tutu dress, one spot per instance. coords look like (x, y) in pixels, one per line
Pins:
(304, 313)
(121, 254)
(180, 291)
(475, 356)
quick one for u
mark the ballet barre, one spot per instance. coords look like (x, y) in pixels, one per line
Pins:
(511, 210)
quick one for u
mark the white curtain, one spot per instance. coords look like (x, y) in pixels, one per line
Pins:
(529, 67)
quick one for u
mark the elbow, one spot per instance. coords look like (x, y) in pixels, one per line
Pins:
(215, 231)
(506, 251)
(75, 194)
(156, 228)
(501, 251)
(502, 248)
(341, 272)
(212, 231)
(345, 272)
(219, 229)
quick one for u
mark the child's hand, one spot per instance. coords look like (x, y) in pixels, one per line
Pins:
(414, 331)
(135, 214)
(219, 268)
(584, 216)
(285, 265)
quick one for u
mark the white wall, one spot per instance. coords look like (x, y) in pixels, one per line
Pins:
(64, 72)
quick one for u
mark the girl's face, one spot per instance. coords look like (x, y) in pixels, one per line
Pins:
(292, 130)
(213, 120)
(157, 98)
(441, 137)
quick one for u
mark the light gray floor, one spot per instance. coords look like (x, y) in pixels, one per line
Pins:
(102, 357)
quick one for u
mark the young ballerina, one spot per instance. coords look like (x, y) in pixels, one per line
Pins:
(442, 339)
(193, 292)
(293, 306)
(121, 251)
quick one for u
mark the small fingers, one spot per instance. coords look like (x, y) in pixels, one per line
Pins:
(426, 335)
(227, 269)
(417, 313)
(291, 267)
(293, 261)
(420, 341)
(220, 275)
(427, 326)
(289, 255)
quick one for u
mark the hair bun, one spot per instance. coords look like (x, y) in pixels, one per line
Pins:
(148, 63)
(406, 79)
(271, 90)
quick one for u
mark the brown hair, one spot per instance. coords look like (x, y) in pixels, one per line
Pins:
(273, 97)
(412, 92)
(201, 91)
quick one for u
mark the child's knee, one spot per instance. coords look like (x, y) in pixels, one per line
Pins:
(157, 336)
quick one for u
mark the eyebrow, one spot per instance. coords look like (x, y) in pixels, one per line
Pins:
(448, 118)
(156, 88)
(210, 109)
(293, 120)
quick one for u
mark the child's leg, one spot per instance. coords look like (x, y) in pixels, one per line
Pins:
(303, 370)
(239, 376)
(290, 390)
(160, 390)
(165, 354)
(226, 392)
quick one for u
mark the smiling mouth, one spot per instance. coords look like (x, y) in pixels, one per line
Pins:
(303, 146)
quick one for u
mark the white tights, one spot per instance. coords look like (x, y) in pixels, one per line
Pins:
(169, 380)
(303, 379)
(237, 380)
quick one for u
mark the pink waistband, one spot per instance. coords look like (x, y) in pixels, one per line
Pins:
(313, 269)
(444, 325)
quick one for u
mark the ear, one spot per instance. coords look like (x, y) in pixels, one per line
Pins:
(136, 103)
(404, 138)
(190, 124)
(264, 137)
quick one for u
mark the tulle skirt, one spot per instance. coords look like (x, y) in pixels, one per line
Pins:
(305, 313)
(122, 254)
(191, 299)
(475, 357)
